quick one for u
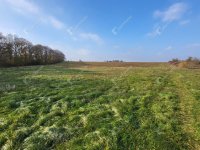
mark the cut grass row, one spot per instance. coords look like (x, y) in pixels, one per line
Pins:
(61, 108)
(188, 88)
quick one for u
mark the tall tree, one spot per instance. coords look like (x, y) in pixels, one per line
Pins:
(15, 51)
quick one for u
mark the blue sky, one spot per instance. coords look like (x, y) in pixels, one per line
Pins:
(99, 30)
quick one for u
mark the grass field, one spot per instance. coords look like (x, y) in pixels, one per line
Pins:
(135, 106)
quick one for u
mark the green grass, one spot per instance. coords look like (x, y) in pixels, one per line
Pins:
(62, 107)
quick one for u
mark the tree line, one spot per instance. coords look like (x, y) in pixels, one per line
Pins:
(15, 51)
(189, 59)
(190, 62)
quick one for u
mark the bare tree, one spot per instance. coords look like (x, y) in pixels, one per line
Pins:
(16, 51)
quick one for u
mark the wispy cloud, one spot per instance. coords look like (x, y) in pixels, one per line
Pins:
(27, 6)
(24, 5)
(83, 52)
(169, 47)
(184, 22)
(56, 23)
(157, 30)
(173, 13)
(116, 29)
(116, 46)
(193, 45)
(31, 8)
(79, 54)
(91, 37)
(73, 29)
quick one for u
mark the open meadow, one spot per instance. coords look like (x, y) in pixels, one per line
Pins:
(79, 105)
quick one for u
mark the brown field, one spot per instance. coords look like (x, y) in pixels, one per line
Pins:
(116, 64)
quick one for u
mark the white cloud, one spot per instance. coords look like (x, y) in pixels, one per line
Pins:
(83, 53)
(23, 5)
(115, 30)
(173, 13)
(169, 48)
(184, 22)
(92, 37)
(26, 6)
(194, 45)
(72, 30)
(116, 46)
(31, 9)
(157, 31)
(56, 23)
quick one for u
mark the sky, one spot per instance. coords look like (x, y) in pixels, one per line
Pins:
(100, 30)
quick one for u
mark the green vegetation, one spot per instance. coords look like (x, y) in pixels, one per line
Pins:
(82, 106)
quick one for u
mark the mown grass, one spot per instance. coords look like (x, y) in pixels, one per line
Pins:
(60, 107)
